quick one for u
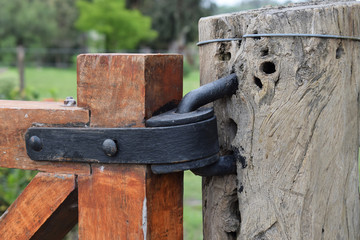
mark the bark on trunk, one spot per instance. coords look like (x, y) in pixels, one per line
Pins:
(295, 120)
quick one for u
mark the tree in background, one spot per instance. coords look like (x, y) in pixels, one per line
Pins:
(67, 36)
(175, 20)
(66, 13)
(25, 23)
(122, 28)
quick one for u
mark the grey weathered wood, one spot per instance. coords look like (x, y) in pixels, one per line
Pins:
(298, 129)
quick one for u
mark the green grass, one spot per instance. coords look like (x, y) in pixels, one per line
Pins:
(60, 83)
(191, 81)
(192, 207)
(192, 183)
(52, 82)
(46, 82)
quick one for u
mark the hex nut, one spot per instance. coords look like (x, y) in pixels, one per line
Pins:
(69, 101)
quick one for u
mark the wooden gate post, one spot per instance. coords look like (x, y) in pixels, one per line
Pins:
(294, 119)
(128, 201)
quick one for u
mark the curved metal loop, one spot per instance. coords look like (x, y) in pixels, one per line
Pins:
(187, 112)
(208, 93)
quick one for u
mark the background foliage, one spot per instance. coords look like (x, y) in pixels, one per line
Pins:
(22, 22)
(175, 21)
(122, 28)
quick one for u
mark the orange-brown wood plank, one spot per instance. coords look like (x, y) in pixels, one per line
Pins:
(112, 203)
(165, 206)
(128, 202)
(61, 221)
(17, 116)
(122, 90)
(122, 201)
(35, 205)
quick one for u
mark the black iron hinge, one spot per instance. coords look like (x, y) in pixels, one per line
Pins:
(184, 138)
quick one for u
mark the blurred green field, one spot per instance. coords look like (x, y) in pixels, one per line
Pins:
(57, 84)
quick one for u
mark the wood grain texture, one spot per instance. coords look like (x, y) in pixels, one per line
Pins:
(295, 118)
(36, 205)
(164, 195)
(17, 116)
(116, 201)
(122, 90)
(112, 203)
(129, 202)
(63, 219)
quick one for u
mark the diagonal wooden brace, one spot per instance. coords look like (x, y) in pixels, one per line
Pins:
(46, 209)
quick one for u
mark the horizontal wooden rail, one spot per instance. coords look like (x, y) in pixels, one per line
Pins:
(17, 116)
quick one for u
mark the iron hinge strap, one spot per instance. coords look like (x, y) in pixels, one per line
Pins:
(181, 139)
(156, 145)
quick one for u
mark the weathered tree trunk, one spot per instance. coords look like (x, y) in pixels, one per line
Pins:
(294, 119)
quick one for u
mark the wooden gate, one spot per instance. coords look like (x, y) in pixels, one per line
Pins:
(111, 201)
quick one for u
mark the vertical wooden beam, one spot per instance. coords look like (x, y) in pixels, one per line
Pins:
(47, 199)
(165, 205)
(112, 202)
(123, 90)
(128, 201)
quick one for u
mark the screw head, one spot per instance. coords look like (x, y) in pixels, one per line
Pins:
(35, 143)
(109, 147)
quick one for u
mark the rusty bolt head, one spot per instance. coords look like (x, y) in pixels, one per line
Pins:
(109, 147)
(69, 102)
(35, 143)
